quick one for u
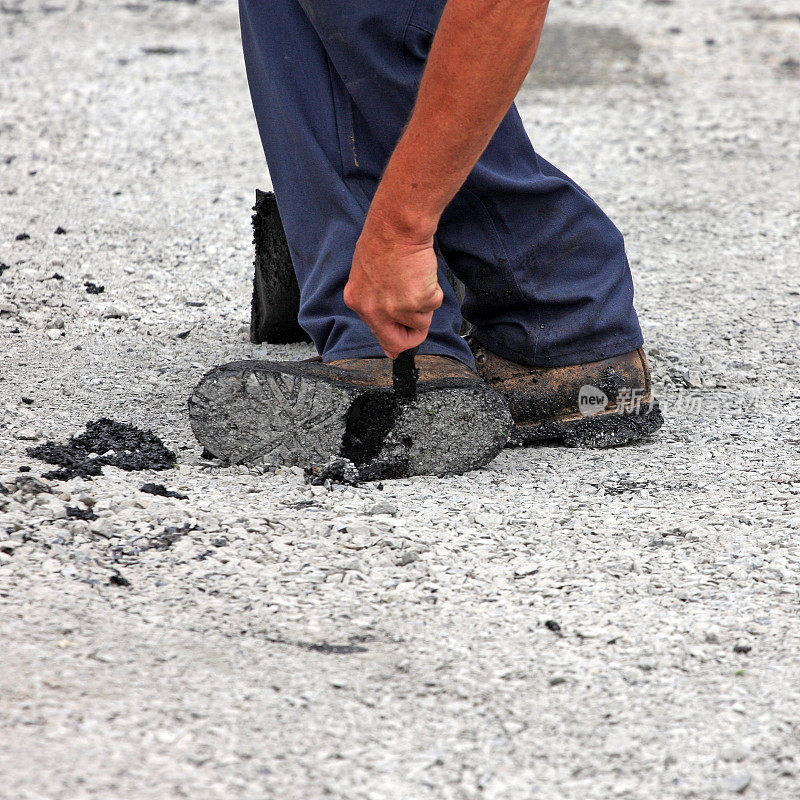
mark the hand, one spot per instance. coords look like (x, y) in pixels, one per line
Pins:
(393, 284)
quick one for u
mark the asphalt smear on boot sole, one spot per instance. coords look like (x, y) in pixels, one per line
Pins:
(370, 419)
(105, 443)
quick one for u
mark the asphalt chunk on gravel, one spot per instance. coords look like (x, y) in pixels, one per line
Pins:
(162, 491)
(93, 288)
(105, 443)
(73, 512)
(119, 580)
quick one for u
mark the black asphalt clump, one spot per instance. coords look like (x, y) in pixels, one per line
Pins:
(4, 267)
(161, 491)
(22, 237)
(93, 288)
(59, 231)
(119, 580)
(105, 443)
(552, 625)
(81, 513)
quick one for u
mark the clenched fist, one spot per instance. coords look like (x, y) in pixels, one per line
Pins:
(393, 284)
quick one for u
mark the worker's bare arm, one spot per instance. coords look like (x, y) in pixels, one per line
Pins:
(480, 55)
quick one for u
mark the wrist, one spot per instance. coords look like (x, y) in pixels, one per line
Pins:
(397, 215)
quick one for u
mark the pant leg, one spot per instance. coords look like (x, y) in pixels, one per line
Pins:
(546, 275)
(323, 159)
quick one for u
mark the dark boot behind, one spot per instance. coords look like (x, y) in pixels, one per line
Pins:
(276, 297)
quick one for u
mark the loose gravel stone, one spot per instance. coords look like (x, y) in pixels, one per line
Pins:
(738, 784)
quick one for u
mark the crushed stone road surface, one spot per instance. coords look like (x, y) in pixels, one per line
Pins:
(565, 624)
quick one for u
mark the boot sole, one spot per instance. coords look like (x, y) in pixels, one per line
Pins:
(263, 413)
(612, 429)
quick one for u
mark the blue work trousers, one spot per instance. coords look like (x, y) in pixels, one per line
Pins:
(333, 83)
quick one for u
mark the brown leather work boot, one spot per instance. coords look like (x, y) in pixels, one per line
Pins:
(601, 404)
(311, 414)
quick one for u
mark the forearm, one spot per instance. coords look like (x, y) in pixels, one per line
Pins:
(480, 56)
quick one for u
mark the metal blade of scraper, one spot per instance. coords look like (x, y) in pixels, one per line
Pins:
(405, 375)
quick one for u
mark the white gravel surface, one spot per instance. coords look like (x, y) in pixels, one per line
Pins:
(565, 624)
